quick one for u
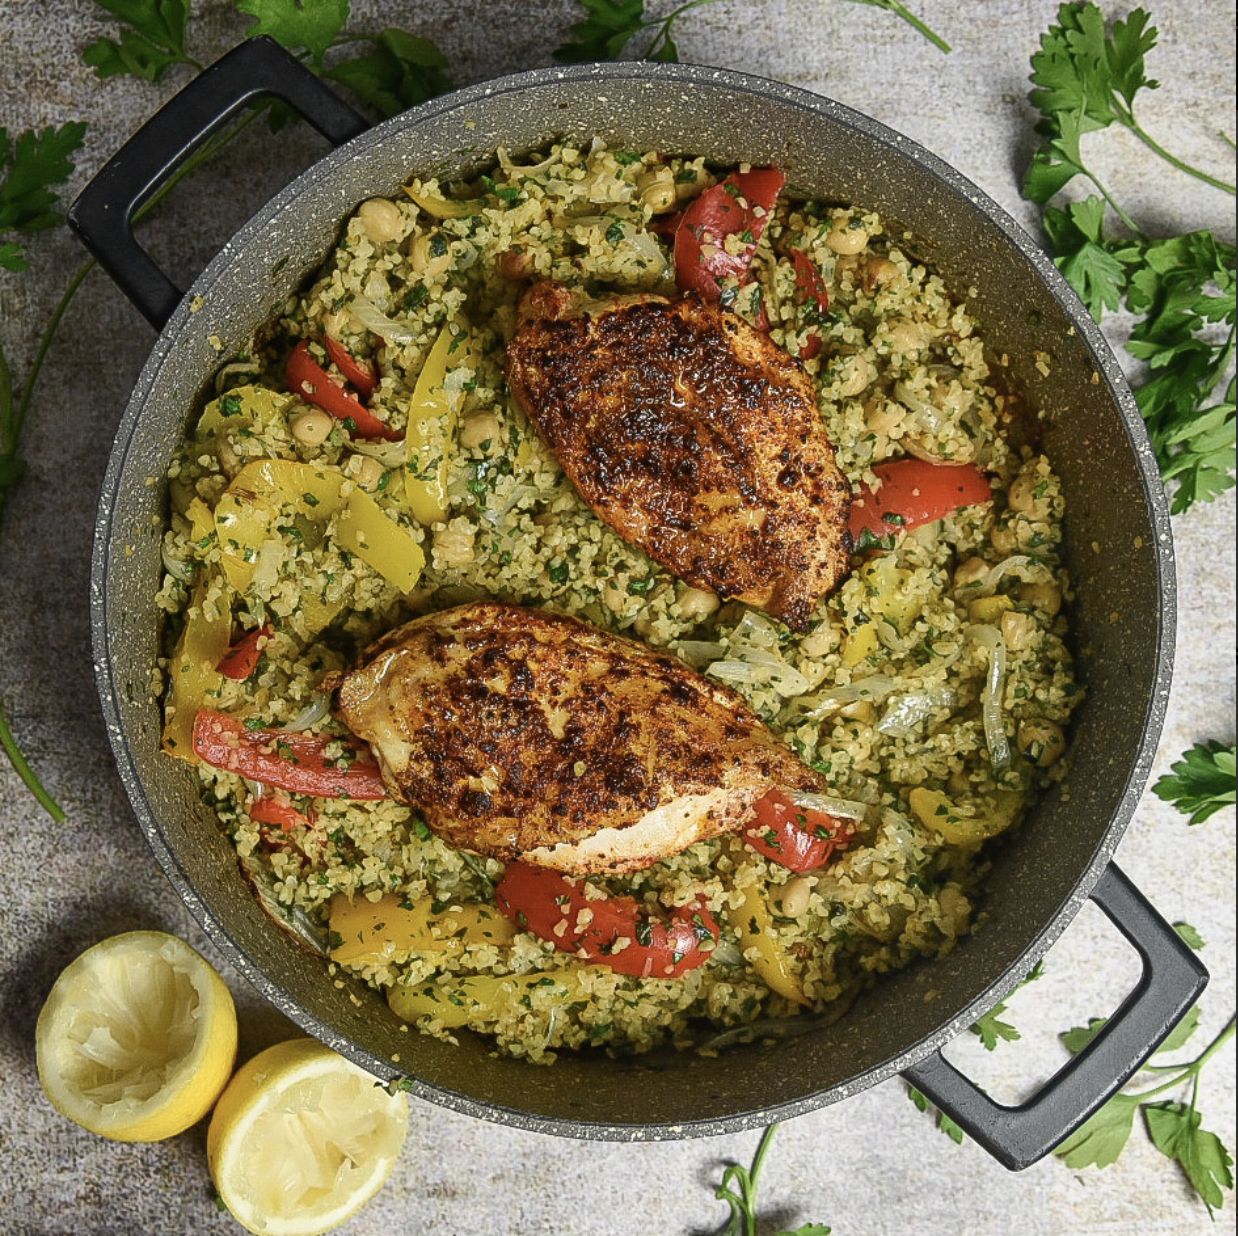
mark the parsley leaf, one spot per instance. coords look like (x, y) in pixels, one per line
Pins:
(1175, 1130)
(309, 24)
(152, 39)
(990, 1029)
(1181, 287)
(28, 167)
(402, 71)
(944, 1123)
(603, 35)
(1189, 936)
(1201, 783)
(611, 25)
(1103, 1136)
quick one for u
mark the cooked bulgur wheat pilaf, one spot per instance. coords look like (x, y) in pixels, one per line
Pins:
(945, 630)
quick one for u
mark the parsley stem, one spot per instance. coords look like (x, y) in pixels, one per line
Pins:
(1173, 160)
(26, 773)
(1185, 1071)
(893, 6)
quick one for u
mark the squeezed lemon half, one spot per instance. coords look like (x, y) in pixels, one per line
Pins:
(137, 1038)
(302, 1138)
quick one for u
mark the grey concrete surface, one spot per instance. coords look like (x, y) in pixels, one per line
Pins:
(868, 1167)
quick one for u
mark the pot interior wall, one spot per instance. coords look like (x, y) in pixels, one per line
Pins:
(1113, 551)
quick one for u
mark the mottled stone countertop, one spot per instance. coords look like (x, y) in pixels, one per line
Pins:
(867, 1166)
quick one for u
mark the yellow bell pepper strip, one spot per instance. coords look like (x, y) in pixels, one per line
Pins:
(758, 941)
(242, 407)
(482, 999)
(289, 761)
(938, 814)
(268, 488)
(368, 932)
(193, 677)
(432, 414)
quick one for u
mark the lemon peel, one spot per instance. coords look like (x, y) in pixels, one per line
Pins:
(137, 1038)
(302, 1138)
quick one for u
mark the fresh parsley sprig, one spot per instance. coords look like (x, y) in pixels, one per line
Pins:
(739, 1190)
(1201, 782)
(1174, 1127)
(612, 25)
(152, 39)
(1180, 288)
(30, 167)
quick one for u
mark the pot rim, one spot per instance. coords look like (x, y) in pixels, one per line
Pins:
(957, 185)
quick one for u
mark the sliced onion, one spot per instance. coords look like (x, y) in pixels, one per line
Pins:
(1019, 565)
(991, 697)
(699, 652)
(905, 712)
(516, 170)
(843, 808)
(373, 319)
(178, 568)
(316, 711)
(389, 454)
(875, 687)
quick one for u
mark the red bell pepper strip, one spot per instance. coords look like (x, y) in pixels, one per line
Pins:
(701, 258)
(915, 492)
(242, 657)
(557, 910)
(294, 762)
(308, 379)
(798, 838)
(808, 281)
(277, 809)
(360, 373)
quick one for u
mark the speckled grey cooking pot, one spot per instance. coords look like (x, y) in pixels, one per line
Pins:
(1118, 550)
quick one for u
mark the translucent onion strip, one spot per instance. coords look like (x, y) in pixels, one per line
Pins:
(842, 808)
(991, 697)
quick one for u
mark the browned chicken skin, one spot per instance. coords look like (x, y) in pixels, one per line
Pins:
(694, 436)
(522, 733)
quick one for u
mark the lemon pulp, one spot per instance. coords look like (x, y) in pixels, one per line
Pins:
(137, 1038)
(302, 1138)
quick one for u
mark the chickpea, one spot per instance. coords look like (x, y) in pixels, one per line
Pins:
(847, 263)
(821, 642)
(336, 323)
(906, 336)
(1041, 741)
(479, 429)
(381, 219)
(846, 237)
(514, 265)
(656, 190)
(970, 572)
(878, 272)
(1022, 494)
(1018, 630)
(1045, 597)
(796, 894)
(453, 547)
(614, 598)
(885, 416)
(431, 254)
(1005, 539)
(696, 604)
(366, 471)
(229, 460)
(856, 373)
(862, 711)
(311, 427)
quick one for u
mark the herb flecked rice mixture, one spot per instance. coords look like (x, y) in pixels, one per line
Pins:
(933, 687)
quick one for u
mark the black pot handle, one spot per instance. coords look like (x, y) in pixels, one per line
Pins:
(1171, 982)
(103, 214)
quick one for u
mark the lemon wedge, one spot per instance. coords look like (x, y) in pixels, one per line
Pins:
(302, 1138)
(137, 1038)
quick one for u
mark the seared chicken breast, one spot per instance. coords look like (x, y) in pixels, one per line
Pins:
(522, 733)
(694, 436)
